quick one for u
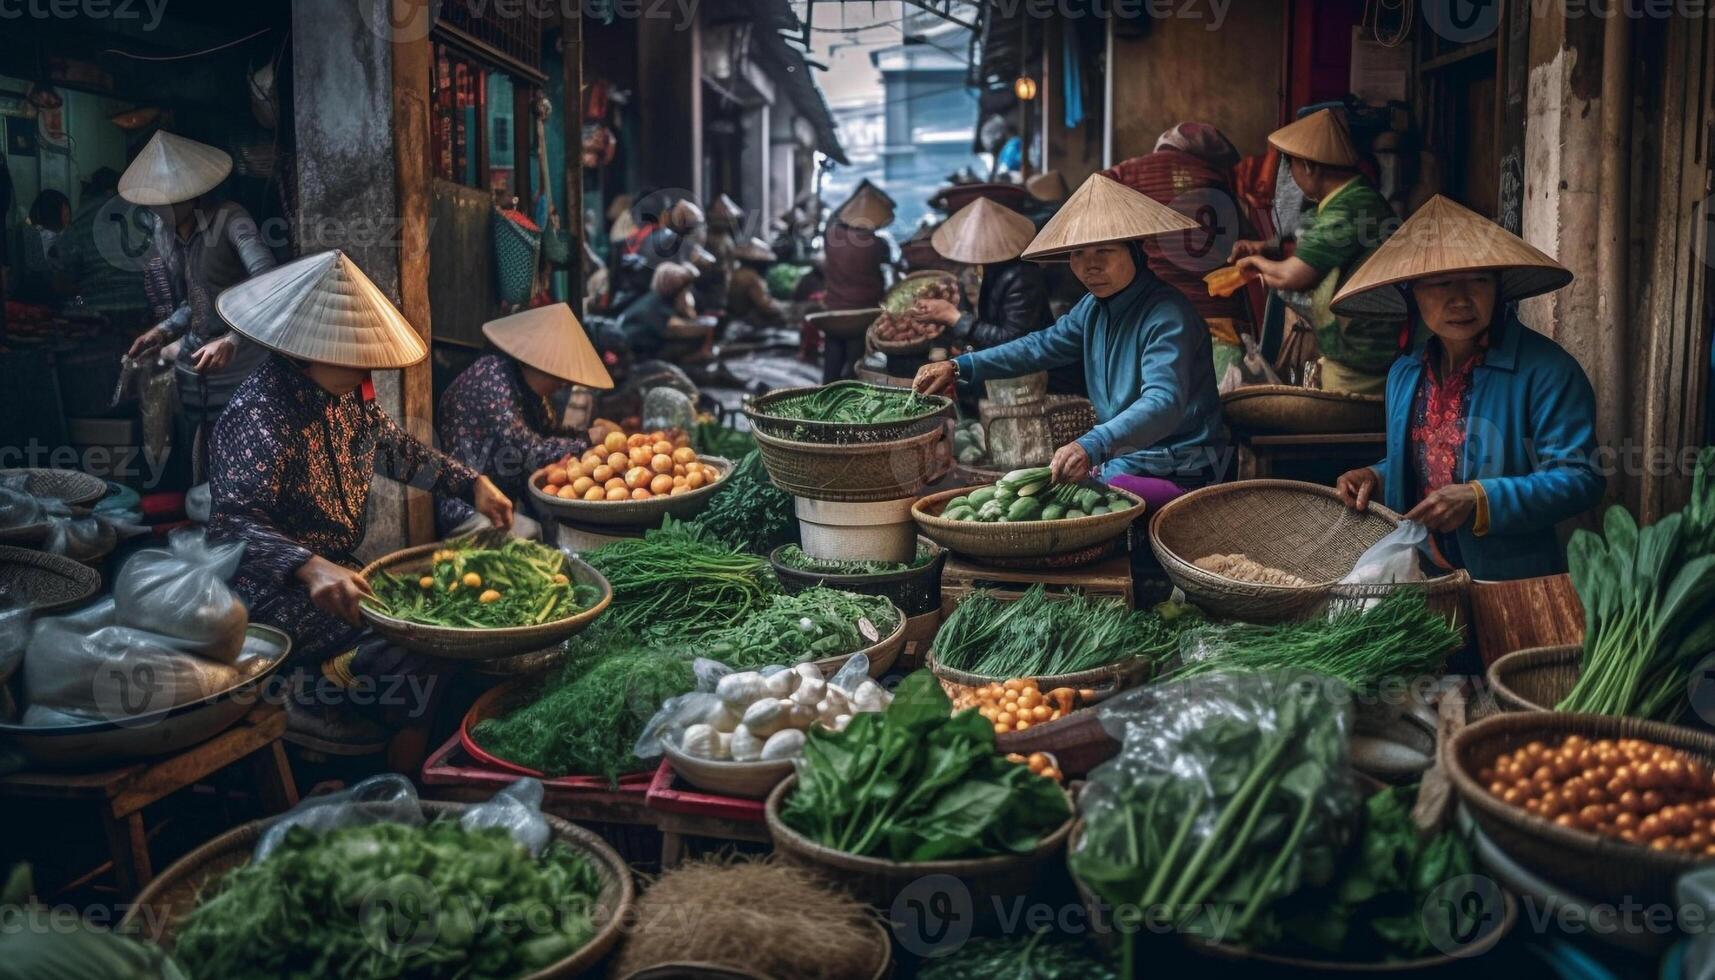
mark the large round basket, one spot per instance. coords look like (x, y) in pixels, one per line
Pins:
(1103, 681)
(75, 487)
(1021, 539)
(163, 905)
(882, 654)
(902, 294)
(1535, 679)
(858, 473)
(1301, 528)
(1077, 741)
(900, 348)
(770, 415)
(1291, 410)
(631, 513)
(914, 591)
(459, 643)
(1601, 868)
(45, 583)
(842, 324)
(878, 881)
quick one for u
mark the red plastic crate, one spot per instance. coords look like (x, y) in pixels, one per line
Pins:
(451, 765)
(670, 794)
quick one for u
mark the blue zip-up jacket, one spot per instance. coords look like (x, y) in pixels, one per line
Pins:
(1530, 441)
(1150, 373)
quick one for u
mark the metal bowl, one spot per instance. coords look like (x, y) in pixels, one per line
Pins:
(631, 513)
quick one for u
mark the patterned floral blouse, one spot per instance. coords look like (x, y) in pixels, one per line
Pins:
(291, 467)
(1438, 416)
(491, 421)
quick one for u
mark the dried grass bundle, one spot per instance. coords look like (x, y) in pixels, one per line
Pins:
(753, 915)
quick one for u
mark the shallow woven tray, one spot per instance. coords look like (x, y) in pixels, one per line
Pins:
(1104, 681)
(1021, 539)
(76, 488)
(1301, 528)
(1536, 679)
(172, 895)
(765, 419)
(1291, 410)
(460, 643)
(45, 583)
(852, 474)
(1603, 869)
(631, 513)
(843, 324)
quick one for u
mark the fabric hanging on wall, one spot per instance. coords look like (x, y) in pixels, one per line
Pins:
(1073, 77)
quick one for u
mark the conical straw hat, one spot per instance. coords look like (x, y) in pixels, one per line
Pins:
(1102, 210)
(1049, 185)
(551, 340)
(755, 250)
(724, 211)
(1320, 137)
(868, 208)
(322, 308)
(982, 232)
(1444, 237)
(172, 169)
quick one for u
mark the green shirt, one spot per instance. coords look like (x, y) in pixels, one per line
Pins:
(1346, 227)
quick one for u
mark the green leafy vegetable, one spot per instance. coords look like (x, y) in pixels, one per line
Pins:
(714, 439)
(1040, 636)
(1034, 957)
(813, 625)
(478, 586)
(854, 402)
(680, 578)
(751, 514)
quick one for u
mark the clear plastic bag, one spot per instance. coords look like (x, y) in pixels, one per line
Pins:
(390, 798)
(517, 809)
(180, 591)
(709, 703)
(1248, 770)
(1392, 559)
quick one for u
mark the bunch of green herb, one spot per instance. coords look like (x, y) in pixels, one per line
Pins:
(1400, 636)
(38, 943)
(1649, 606)
(1042, 636)
(918, 783)
(750, 513)
(793, 556)
(680, 579)
(1233, 794)
(1379, 906)
(812, 625)
(485, 581)
(853, 402)
(325, 904)
(1033, 957)
(714, 439)
(586, 719)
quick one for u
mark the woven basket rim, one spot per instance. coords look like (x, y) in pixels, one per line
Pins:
(1504, 666)
(846, 449)
(632, 513)
(1248, 392)
(901, 347)
(1084, 678)
(937, 557)
(756, 408)
(94, 486)
(84, 580)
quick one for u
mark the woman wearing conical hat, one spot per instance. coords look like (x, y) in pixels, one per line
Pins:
(1012, 300)
(856, 260)
(1491, 435)
(663, 323)
(293, 456)
(1143, 349)
(1350, 220)
(200, 246)
(496, 416)
(748, 298)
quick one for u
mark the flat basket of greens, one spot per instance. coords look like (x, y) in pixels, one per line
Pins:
(914, 587)
(306, 909)
(846, 412)
(482, 597)
(1025, 516)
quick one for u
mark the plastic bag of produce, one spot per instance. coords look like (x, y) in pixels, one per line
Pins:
(517, 809)
(1395, 558)
(1229, 793)
(180, 591)
(723, 700)
(88, 667)
(390, 798)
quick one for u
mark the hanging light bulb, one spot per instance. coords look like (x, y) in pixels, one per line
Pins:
(1024, 87)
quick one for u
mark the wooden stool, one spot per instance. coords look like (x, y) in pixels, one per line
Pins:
(122, 793)
(1104, 578)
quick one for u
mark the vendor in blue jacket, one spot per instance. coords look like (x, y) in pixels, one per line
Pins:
(1143, 349)
(1491, 434)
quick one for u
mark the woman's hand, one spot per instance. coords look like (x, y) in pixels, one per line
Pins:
(147, 341)
(1070, 464)
(1447, 509)
(936, 378)
(491, 503)
(938, 311)
(214, 355)
(1357, 486)
(1246, 248)
(334, 589)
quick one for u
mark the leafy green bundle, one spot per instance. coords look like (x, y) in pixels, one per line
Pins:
(853, 402)
(793, 556)
(1649, 606)
(812, 625)
(1400, 636)
(1034, 957)
(714, 439)
(679, 578)
(1039, 636)
(751, 514)
(477, 586)
(917, 783)
(586, 719)
(333, 905)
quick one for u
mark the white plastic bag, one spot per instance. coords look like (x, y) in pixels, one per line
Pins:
(1393, 558)
(180, 591)
(390, 798)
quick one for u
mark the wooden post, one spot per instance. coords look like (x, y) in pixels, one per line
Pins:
(411, 154)
(572, 68)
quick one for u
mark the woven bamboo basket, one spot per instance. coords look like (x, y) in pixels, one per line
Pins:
(1077, 741)
(852, 474)
(914, 591)
(878, 881)
(1603, 869)
(882, 654)
(900, 348)
(459, 643)
(682, 970)
(1291, 410)
(767, 414)
(903, 293)
(1301, 528)
(1535, 679)
(45, 583)
(1105, 681)
(1020, 539)
(75, 487)
(163, 905)
(631, 513)
(842, 324)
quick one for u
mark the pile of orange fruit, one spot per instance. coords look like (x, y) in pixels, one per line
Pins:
(638, 466)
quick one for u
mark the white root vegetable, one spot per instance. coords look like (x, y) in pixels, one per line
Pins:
(869, 696)
(738, 691)
(780, 683)
(766, 717)
(785, 744)
(701, 741)
(810, 691)
(841, 722)
(746, 746)
(801, 716)
(724, 747)
(807, 672)
(722, 717)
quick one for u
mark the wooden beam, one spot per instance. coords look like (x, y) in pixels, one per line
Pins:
(411, 156)
(572, 71)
